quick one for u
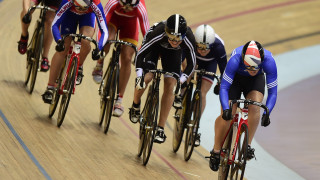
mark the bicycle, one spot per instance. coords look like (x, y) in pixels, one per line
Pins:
(35, 46)
(109, 86)
(68, 75)
(149, 116)
(233, 155)
(188, 117)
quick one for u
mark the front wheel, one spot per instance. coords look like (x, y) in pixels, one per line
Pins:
(224, 157)
(67, 91)
(239, 164)
(192, 125)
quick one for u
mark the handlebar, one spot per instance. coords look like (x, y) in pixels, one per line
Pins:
(27, 18)
(95, 51)
(203, 72)
(248, 101)
(176, 76)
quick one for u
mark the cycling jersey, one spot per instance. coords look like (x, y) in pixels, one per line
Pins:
(235, 66)
(217, 55)
(86, 18)
(156, 40)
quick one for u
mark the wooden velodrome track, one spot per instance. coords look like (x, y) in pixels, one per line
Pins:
(32, 147)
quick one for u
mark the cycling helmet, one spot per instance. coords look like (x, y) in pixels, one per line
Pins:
(252, 55)
(176, 27)
(82, 3)
(131, 3)
(205, 36)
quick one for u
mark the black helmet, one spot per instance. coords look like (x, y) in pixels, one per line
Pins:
(252, 55)
(176, 27)
(132, 3)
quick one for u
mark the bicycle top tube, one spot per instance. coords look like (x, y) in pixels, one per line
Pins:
(248, 101)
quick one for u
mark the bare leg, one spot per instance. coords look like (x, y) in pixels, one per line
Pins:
(166, 100)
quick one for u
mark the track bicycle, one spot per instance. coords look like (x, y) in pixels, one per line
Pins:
(149, 116)
(35, 46)
(193, 114)
(233, 155)
(68, 75)
(109, 86)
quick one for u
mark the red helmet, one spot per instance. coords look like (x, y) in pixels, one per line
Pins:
(252, 54)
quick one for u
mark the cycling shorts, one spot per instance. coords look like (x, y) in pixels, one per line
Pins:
(170, 60)
(54, 4)
(209, 66)
(71, 20)
(246, 84)
(129, 28)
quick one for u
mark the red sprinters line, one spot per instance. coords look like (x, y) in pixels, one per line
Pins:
(249, 12)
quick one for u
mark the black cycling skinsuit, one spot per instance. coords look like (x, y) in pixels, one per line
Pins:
(155, 44)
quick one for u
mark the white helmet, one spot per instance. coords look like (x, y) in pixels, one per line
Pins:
(205, 36)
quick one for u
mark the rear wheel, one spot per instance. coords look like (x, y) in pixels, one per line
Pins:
(67, 91)
(150, 128)
(192, 125)
(224, 156)
(110, 97)
(37, 54)
(31, 54)
(239, 164)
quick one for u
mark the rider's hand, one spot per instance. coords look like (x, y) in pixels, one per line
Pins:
(227, 114)
(216, 89)
(60, 45)
(140, 84)
(265, 120)
(26, 19)
(95, 54)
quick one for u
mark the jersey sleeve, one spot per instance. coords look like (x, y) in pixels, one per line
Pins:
(55, 27)
(227, 79)
(190, 55)
(270, 69)
(102, 23)
(143, 18)
(221, 58)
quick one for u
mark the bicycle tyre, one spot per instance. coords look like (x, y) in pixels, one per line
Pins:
(69, 84)
(111, 97)
(224, 157)
(30, 54)
(142, 128)
(152, 123)
(192, 125)
(35, 66)
(179, 125)
(238, 166)
(56, 95)
(104, 86)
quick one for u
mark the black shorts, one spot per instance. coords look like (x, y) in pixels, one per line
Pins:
(52, 3)
(245, 84)
(170, 60)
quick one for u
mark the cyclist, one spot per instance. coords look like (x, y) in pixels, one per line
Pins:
(23, 42)
(245, 73)
(210, 53)
(123, 15)
(166, 39)
(71, 14)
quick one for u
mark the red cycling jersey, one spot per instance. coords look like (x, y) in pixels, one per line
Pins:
(127, 22)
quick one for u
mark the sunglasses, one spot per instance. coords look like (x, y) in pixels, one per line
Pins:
(174, 38)
(252, 68)
(203, 47)
(81, 8)
(126, 6)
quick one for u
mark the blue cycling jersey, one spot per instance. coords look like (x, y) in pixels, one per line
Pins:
(235, 65)
(67, 6)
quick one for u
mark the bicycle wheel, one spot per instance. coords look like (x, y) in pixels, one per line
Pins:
(142, 129)
(239, 164)
(151, 126)
(36, 60)
(56, 96)
(224, 157)
(192, 125)
(67, 91)
(31, 54)
(180, 118)
(104, 86)
(110, 96)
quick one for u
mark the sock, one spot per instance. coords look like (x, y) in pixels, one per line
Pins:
(159, 127)
(25, 38)
(119, 99)
(137, 106)
(50, 86)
